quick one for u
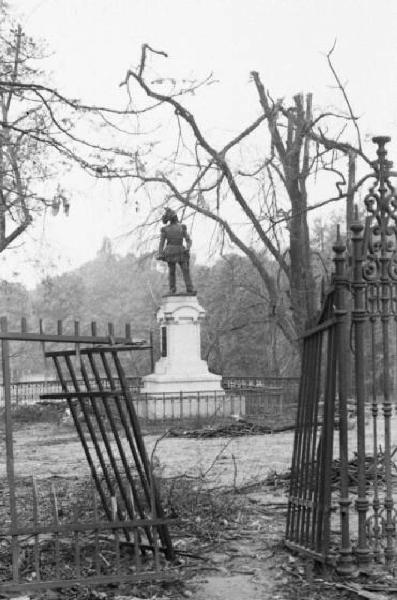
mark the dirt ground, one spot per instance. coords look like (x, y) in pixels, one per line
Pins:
(43, 448)
(247, 560)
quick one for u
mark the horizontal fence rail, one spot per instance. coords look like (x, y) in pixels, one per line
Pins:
(30, 392)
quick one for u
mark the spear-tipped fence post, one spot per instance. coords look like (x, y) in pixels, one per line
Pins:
(358, 320)
(345, 561)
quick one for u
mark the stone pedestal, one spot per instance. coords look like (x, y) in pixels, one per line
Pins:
(180, 368)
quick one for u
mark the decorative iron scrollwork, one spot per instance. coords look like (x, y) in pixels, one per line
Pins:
(392, 266)
(380, 237)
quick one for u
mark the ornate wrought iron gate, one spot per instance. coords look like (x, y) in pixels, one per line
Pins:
(120, 516)
(358, 479)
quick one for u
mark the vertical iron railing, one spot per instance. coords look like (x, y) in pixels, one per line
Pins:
(309, 502)
(359, 315)
(344, 562)
(365, 281)
(5, 360)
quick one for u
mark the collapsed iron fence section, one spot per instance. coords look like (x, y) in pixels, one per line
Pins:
(108, 527)
(111, 439)
(55, 543)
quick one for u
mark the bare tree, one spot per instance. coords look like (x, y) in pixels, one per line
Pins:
(40, 127)
(42, 135)
(297, 145)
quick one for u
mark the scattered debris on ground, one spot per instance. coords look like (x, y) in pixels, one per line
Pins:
(278, 480)
(372, 470)
(232, 534)
(238, 427)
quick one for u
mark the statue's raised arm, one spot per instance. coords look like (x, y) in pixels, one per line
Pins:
(173, 250)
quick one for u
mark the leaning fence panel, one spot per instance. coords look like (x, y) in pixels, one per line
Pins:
(100, 520)
(308, 516)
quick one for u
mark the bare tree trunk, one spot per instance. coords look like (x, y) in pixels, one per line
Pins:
(293, 154)
(274, 366)
(302, 284)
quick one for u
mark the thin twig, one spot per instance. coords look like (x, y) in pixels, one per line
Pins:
(345, 96)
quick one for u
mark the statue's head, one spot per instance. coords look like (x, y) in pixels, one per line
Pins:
(169, 216)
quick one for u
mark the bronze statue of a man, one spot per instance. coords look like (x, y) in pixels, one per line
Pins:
(173, 251)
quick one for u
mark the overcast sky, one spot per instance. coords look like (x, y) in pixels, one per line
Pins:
(94, 42)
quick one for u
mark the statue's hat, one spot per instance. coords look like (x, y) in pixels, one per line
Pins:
(169, 215)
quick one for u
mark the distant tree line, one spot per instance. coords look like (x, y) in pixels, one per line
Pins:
(239, 335)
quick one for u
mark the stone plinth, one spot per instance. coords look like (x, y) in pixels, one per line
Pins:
(180, 368)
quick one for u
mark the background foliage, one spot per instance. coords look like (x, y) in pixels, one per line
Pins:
(239, 334)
